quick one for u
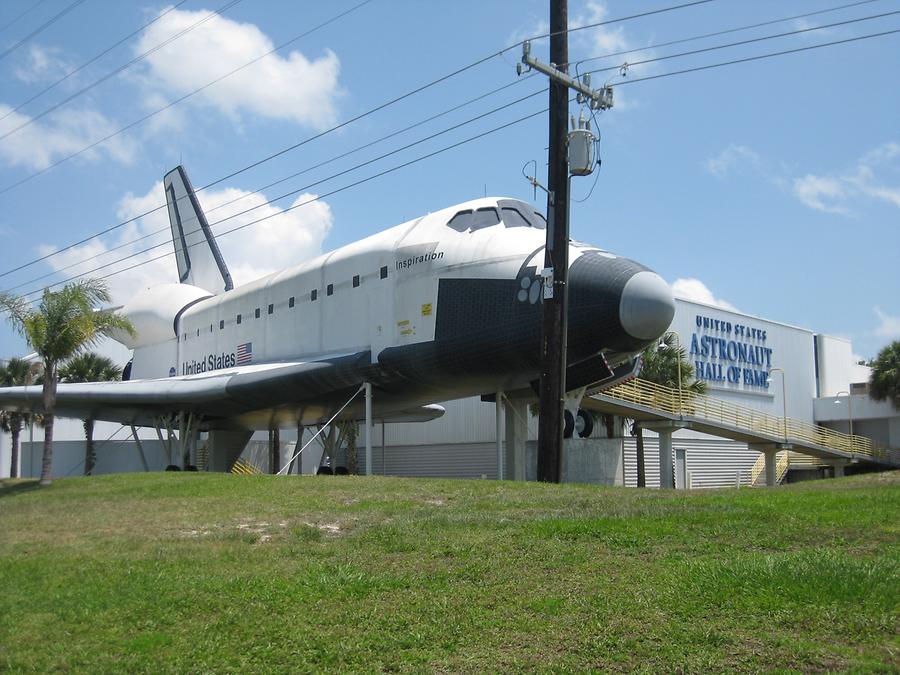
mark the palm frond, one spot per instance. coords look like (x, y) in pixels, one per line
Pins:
(17, 310)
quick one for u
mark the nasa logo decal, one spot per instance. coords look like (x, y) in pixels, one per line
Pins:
(529, 288)
(172, 371)
(529, 285)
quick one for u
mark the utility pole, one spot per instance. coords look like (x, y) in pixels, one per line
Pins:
(556, 255)
(556, 258)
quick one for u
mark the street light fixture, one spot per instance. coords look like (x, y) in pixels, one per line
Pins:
(849, 411)
(783, 397)
(662, 345)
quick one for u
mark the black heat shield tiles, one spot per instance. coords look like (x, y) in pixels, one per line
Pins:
(490, 327)
(481, 330)
(596, 283)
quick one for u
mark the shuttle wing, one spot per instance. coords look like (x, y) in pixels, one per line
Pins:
(226, 396)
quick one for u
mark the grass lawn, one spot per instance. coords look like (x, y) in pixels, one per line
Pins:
(204, 572)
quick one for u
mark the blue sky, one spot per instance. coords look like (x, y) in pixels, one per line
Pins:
(771, 186)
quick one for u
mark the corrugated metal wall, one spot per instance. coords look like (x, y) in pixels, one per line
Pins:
(456, 460)
(112, 456)
(467, 420)
(712, 462)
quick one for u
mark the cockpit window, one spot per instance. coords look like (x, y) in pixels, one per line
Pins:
(514, 214)
(474, 220)
(485, 218)
(462, 221)
(512, 218)
(515, 211)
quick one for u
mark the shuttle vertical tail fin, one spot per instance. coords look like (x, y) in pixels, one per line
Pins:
(200, 262)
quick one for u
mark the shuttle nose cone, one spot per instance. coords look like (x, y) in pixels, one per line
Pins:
(646, 307)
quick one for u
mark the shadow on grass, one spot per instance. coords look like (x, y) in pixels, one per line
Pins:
(12, 487)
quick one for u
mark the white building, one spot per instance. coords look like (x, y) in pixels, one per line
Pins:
(744, 360)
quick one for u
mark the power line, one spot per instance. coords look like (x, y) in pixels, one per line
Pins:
(760, 57)
(169, 105)
(281, 180)
(609, 21)
(22, 15)
(140, 57)
(130, 220)
(89, 62)
(728, 30)
(481, 135)
(53, 19)
(749, 41)
(273, 200)
(285, 150)
(383, 138)
(344, 188)
(327, 131)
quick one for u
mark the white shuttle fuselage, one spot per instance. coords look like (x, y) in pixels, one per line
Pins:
(441, 307)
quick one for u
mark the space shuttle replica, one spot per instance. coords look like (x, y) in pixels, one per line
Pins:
(442, 307)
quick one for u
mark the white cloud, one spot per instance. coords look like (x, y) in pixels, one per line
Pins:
(730, 158)
(290, 88)
(696, 291)
(883, 154)
(42, 64)
(601, 41)
(806, 24)
(610, 39)
(41, 143)
(816, 191)
(273, 244)
(284, 239)
(836, 193)
(536, 27)
(889, 326)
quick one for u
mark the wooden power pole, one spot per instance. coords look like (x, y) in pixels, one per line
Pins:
(556, 258)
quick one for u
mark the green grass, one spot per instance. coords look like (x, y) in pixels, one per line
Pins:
(201, 572)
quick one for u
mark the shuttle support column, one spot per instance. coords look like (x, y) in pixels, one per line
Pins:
(516, 437)
(224, 447)
(368, 387)
(140, 447)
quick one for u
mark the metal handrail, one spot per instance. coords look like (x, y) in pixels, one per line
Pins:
(781, 467)
(688, 404)
(244, 467)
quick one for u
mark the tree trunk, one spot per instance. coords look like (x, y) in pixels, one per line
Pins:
(14, 430)
(352, 456)
(274, 450)
(49, 395)
(89, 457)
(641, 472)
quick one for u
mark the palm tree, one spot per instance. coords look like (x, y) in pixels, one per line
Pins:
(89, 367)
(15, 373)
(884, 382)
(660, 366)
(63, 324)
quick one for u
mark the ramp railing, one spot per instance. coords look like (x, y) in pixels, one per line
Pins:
(687, 404)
